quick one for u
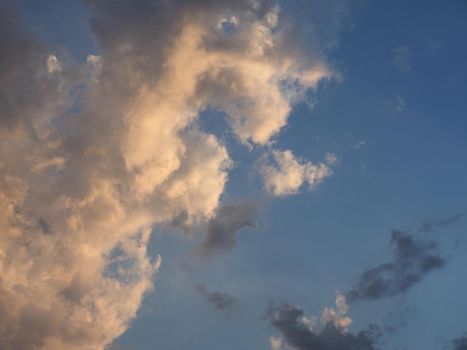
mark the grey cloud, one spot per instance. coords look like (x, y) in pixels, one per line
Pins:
(226, 224)
(292, 323)
(412, 260)
(221, 301)
(28, 93)
(154, 22)
(460, 343)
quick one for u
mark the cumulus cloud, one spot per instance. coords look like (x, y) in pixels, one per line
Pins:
(221, 301)
(303, 333)
(286, 174)
(412, 260)
(223, 227)
(93, 154)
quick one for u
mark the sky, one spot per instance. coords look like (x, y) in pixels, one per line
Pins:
(257, 174)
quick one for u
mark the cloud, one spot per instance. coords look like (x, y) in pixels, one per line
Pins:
(223, 227)
(275, 343)
(397, 318)
(29, 94)
(400, 104)
(221, 301)
(302, 333)
(285, 175)
(412, 260)
(429, 225)
(401, 58)
(94, 154)
(460, 343)
(242, 71)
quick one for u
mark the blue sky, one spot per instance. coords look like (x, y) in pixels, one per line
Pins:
(395, 120)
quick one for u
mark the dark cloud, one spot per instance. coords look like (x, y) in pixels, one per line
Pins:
(460, 343)
(291, 322)
(412, 261)
(156, 22)
(221, 301)
(223, 228)
(29, 92)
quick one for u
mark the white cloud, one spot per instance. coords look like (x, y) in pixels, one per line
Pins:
(53, 65)
(287, 174)
(337, 315)
(80, 191)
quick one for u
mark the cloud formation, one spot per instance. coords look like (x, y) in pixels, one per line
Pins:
(412, 260)
(223, 227)
(429, 225)
(221, 301)
(302, 333)
(460, 343)
(285, 174)
(93, 154)
(275, 343)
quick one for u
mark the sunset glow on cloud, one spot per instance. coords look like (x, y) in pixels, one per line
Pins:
(138, 136)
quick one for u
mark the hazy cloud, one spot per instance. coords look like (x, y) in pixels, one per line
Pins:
(401, 58)
(429, 225)
(400, 104)
(412, 260)
(224, 226)
(397, 318)
(221, 301)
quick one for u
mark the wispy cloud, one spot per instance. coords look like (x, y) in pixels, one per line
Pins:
(412, 260)
(221, 301)
(401, 58)
(400, 104)
(429, 225)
